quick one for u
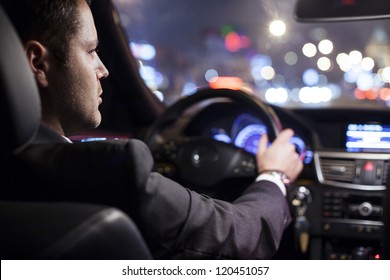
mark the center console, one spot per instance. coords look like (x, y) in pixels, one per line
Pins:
(346, 208)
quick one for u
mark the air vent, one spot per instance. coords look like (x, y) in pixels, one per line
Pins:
(338, 170)
(386, 173)
(361, 171)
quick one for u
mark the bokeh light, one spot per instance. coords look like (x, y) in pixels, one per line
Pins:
(277, 28)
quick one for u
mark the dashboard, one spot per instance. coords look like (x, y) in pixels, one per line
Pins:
(246, 131)
(346, 156)
(208, 142)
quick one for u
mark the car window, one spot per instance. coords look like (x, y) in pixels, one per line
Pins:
(258, 46)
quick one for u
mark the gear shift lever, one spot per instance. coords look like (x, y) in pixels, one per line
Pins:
(301, 199)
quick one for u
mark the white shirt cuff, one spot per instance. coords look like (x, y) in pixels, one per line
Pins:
(273, 179)
(67, 139)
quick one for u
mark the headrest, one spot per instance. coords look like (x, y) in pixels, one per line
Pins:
(20, 109)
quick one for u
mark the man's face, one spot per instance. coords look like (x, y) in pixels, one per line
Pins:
(76, 87)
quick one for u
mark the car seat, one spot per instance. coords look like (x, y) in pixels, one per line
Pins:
(38, 229)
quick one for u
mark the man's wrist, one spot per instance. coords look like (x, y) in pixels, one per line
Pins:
(278, 174)
(272, 177)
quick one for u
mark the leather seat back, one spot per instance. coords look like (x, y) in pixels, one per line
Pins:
(20, 112)
(36, 230)
(32, 228)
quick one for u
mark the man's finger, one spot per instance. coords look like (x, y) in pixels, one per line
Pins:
(285, 135)
(263, 143)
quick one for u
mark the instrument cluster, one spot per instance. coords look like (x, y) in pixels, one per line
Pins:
(246, 131)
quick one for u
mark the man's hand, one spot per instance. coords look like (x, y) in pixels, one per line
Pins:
(281, 155)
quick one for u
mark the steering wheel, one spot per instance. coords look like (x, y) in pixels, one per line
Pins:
(199, 162)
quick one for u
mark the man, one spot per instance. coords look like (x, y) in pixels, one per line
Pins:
(60, 41)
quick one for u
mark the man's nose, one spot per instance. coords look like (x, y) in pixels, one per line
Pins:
(102, 72)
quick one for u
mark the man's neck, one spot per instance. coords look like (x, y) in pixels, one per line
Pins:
(55, 126)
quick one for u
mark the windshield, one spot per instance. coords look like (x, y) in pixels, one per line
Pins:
(257, 45)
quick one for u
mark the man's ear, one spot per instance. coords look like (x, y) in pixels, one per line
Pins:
(38, 59)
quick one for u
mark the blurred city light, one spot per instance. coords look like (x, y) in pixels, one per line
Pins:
(309, 50)
(291, 58)
(143, 51)
(277, 28)
(315, 95)
(310, 77)
(227, 82)
(324, 64)
(211, 75)
(276, 95)
(268, 72)
(325, 46)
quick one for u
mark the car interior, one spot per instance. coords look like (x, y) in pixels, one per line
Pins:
(207, 140)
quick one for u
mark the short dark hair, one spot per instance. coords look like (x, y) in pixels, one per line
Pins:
(51, 22)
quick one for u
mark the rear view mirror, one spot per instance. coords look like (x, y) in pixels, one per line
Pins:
(341, 10)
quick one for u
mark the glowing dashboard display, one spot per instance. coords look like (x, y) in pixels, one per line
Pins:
(368, 138)
(246, 132)
(248, 138)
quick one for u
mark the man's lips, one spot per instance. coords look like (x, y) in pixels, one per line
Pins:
(100, 100)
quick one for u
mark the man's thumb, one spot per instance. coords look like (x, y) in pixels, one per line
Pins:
(263, 143)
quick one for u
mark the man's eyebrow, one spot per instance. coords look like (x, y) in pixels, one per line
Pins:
(92, 43)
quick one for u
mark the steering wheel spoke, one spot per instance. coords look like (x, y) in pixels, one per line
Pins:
(206, 162)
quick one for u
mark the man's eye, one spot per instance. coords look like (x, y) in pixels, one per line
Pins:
(95, 50)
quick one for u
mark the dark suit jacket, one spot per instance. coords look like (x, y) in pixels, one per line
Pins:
(175, 221)
(46, 135)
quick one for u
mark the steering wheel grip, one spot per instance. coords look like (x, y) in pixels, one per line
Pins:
(176, 110)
